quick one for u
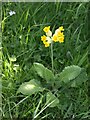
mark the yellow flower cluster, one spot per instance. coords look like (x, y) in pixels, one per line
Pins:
(58, 36)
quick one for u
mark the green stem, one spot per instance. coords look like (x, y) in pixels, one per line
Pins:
(52, 56)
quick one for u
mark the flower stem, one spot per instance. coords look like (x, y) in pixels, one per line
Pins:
(52, 56)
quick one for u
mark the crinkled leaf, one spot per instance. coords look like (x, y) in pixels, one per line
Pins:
(69, 73)
(43, 72)
(31, 87)
(74, 74)
(57, 83)
(82, 77)
(52, 98)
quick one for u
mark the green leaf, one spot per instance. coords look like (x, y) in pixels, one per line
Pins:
(74, 74)
(69, 73)
(31, 87)
(82, 77)
(44, 72)
(52, 98)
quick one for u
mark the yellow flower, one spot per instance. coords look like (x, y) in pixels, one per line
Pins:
(58, 36)
(61, 34)
(61, 39)
(44, 42)
(46, 29)
(61, 28)
(55, 38)
(47, 44)
(43, 38)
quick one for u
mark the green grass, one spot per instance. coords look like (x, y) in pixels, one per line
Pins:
(21, 34)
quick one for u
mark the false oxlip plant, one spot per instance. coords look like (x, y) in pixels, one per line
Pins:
(72, 75)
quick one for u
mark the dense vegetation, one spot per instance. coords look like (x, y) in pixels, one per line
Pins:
(22, 49)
